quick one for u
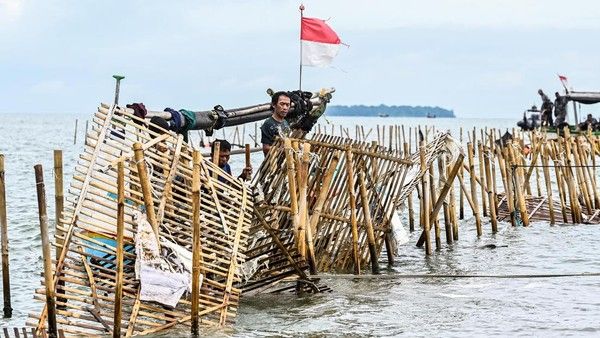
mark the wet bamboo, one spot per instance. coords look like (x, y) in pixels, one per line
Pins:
(4, 231)
(518, 180)
(452, 206)
(146, 187)
(48, 277)
(434, 218)
(119, 255)
(352, 202)
(409, 200)
(546, 170)
(291, 175)
(310, 248)
(484, 186)
(474, 188)
(504, 164)
(195, 243)
(491, 195)
(58, 207)
(447, 218)
(581, 178)
(443, 193)
(368, 223)
(425, 198)
(302, 177)
(461, 197)
(559, 182)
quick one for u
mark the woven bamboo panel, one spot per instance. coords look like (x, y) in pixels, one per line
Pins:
(86, 280)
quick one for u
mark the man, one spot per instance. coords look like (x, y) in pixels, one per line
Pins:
(560, 110)
(546, 110)
(590, 122)
(224, 154)
(276, 125)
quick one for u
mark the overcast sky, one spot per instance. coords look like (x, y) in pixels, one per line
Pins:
(481, 58)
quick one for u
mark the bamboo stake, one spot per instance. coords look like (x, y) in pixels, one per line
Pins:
(291, 174)
(491, 194)
(302, 177)
(196, 249)
(119, 257)
(461, 197)
(409, 201)
(58, 209)
(425, 198)
(546, 171)
(474, 188)
(443, 182)
(352, 201)
(310, 249)
(48, 278)
(216, 153)
(368, 223)
(146, 187)
(4, 231)
(75, 133)
(482, 178)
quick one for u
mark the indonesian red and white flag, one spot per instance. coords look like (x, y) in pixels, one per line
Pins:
(563, 80)
(320, 44)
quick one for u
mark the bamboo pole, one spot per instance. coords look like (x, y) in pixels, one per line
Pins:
(444, 182)
(352, 201)
(146, 187)
(474, 188)
(75, 133)
(409, 200)
(216, 153)
(4, 231)
(461, 197)
(434, 219)
(291, 175)
(482, 177)
(491, 193)
(302, 177)
(119, 257)
(195, 242)
(310, 245)
(58, 209)
(48, 278)
(368, 223)
(425, 198)
(546, 170)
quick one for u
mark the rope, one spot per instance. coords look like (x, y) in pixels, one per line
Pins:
(414, 276)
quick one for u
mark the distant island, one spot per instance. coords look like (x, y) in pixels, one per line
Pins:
(392, 111)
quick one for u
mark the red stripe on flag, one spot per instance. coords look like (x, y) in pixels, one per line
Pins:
(317, 30)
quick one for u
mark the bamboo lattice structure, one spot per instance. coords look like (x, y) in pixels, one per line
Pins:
(158, 187)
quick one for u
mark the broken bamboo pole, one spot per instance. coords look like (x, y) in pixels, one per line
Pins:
(4, 231)
(368, 223)
(146, 187)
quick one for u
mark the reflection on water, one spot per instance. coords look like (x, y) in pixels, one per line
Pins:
(385, 307)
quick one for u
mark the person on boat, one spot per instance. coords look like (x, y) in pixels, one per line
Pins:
(276, 125)
(224, 154)
(560, 110)
(589, 123)
(546, 110)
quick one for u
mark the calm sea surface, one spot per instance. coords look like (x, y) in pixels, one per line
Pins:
(549, 306)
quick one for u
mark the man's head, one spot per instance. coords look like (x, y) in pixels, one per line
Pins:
(589, 117)
(224, 150)
(557, 95)
(280, 103)
(541, 92)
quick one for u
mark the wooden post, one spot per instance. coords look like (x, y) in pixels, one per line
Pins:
(352, 201)
(484, 185)
(474, 189)
(491, 196)
(546, 170)
(58, 209)
(48, 278)
(4, 232)
(216, 153)
(425, 198)
(409, 201)
(461, 196)
(120, 230)
(444, 182)
(247, 158)
(146, 188)
(196, 242)
(302, 178)
(75, 134)
(368, 223)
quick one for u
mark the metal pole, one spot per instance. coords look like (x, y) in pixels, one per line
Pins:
(118, 86)
(301, 16)
(5, 261)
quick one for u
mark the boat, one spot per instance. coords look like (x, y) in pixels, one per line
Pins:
(383, 115)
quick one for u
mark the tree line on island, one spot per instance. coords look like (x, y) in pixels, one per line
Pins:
(392, 111)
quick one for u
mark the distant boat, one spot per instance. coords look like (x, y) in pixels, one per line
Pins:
(430, 116)
(383, 115)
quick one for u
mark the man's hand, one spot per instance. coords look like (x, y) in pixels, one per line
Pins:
(246, 173)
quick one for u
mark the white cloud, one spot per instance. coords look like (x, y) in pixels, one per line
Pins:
(11, 10)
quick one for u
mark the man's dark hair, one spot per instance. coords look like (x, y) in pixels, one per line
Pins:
(156, 122)
(224, 145)
(276, 96)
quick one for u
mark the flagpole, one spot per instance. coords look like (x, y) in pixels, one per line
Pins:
(301, 16)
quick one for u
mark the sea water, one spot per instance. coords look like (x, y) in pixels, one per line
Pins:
(449, 306)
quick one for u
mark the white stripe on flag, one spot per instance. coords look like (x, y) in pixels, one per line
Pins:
(318, 54)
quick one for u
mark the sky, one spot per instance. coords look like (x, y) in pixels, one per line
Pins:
(478, 58)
